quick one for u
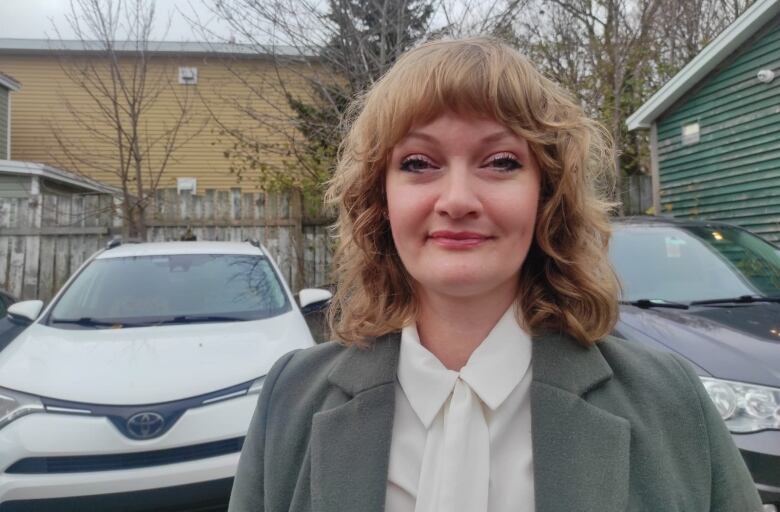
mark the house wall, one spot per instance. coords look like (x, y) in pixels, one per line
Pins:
(733, 172)
(42, 114)
(4, 123)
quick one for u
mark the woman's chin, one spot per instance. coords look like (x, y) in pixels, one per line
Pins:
(460, 286)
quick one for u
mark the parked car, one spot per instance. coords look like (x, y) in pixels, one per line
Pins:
(136, 385)
(10, 326)
(6, 299)
(710, 292)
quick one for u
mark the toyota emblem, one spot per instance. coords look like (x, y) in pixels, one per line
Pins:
(145, 425)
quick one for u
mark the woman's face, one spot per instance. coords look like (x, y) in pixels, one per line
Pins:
(462, 196)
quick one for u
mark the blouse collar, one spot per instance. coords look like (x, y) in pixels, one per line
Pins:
(494, 369)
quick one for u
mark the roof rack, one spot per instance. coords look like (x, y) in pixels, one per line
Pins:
(117, 241)
(114, 242)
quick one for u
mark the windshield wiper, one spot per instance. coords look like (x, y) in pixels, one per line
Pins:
(654, 303)
(86, 321)
(742, 299)
(192, 319)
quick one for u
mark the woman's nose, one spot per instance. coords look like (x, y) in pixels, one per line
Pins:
(457, 196)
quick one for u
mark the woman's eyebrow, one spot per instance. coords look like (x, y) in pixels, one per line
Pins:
(497, 136)
(493, 137)
(419, 135)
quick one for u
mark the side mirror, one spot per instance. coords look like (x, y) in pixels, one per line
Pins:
(29, 309)
(312, 296)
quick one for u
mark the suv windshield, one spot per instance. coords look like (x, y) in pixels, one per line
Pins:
(148, 290)
(691, 263)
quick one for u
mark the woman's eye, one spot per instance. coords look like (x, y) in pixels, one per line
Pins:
(505, 162)
(415, 164)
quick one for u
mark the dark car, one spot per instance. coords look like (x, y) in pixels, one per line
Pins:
(10, 326)
(710, 292)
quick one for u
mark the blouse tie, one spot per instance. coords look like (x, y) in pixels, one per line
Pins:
(463, 476)
(462, 439)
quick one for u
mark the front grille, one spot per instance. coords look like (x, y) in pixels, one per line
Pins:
(121, 415)
(87, 463)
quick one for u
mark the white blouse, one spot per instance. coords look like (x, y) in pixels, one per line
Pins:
(462, 440)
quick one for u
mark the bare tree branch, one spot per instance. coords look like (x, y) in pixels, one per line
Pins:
(123, 82)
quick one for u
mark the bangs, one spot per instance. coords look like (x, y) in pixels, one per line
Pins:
(478, 79)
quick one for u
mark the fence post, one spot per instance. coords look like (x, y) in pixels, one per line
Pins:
(636, 194)
(32, 243)
(296, 216)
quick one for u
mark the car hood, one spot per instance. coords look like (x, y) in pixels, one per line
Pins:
(144, 365)
(739, 342)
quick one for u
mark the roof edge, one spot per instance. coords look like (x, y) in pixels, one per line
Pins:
(755, 17)
(9, 83)
(54, 173)
(47, 46)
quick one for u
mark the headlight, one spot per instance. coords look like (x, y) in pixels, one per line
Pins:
(744, 407)
(14, 405)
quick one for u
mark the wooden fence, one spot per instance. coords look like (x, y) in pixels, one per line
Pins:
(44, 238)
(637, 194)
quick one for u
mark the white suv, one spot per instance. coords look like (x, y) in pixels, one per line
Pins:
(137, 383)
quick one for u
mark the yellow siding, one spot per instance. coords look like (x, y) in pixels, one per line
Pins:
(40, 112)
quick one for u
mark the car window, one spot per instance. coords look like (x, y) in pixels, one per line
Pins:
(687, 264)
(754, 258)
(145, 289)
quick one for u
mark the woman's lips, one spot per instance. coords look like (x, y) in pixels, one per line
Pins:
(458, 239)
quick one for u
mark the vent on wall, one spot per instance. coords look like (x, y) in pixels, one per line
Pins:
(690, 133)
(188, 76)
(187, 184)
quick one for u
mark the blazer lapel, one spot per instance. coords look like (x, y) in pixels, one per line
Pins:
(581, 452)
(350, 447)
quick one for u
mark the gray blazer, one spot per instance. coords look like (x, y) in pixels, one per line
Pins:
(615, 428)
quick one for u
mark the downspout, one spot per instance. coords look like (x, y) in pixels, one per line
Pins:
(8, 130)
(654, 169)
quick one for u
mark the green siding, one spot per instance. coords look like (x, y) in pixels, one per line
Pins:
(733, 172)
(3, 123)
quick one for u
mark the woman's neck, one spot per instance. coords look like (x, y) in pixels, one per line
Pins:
(452, 328)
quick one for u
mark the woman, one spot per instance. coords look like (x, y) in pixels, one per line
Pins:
(474, 303)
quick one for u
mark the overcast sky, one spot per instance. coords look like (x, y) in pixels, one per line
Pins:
(35, 19)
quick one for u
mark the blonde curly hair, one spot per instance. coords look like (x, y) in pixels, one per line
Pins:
(566, 282)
